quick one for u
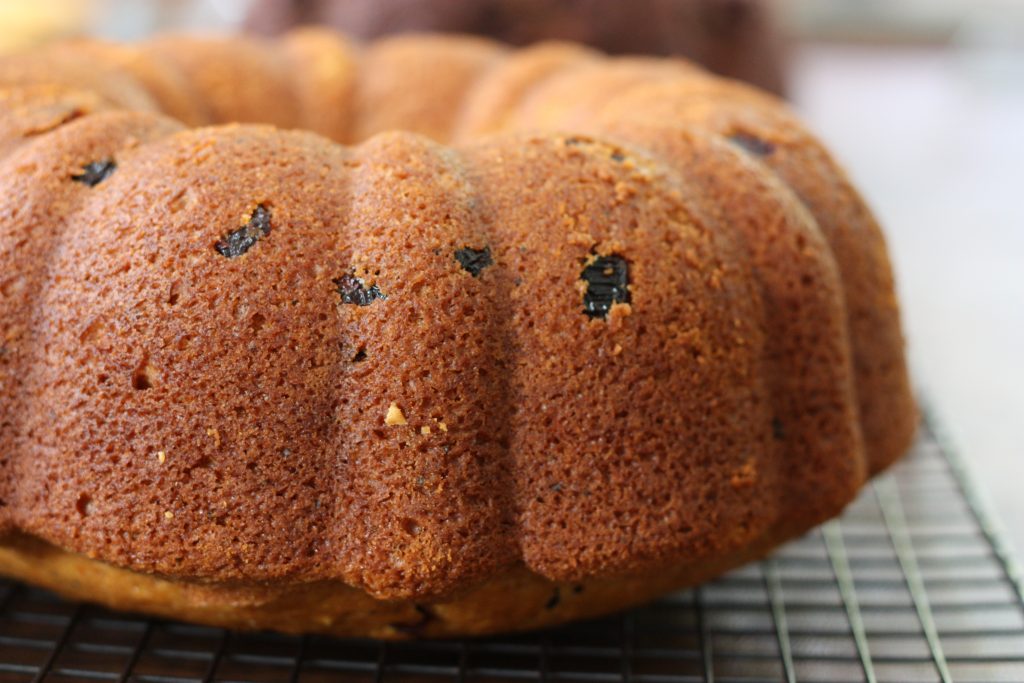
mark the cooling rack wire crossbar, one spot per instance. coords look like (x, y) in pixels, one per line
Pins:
(912, 584)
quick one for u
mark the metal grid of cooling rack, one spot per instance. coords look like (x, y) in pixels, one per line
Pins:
(911, 585)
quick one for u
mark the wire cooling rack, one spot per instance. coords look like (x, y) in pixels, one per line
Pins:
(911, 585)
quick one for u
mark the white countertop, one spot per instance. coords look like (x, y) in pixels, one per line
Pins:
(935, 141)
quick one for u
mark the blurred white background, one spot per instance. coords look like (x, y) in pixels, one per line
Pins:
(937, 147)
(924, 102)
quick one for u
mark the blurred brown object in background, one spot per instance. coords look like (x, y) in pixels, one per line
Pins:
(735, 38)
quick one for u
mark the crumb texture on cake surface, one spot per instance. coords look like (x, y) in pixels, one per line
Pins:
(416, 315)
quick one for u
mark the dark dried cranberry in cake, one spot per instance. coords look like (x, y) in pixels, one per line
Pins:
(474, 260)
(607, 279)
(242, 240)
(354, 291)
(95, 172)
(752, 144)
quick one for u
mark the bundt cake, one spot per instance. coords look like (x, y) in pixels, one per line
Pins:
(557, 333)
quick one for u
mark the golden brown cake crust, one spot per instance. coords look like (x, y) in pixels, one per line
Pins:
(647, 329)
(512, 600)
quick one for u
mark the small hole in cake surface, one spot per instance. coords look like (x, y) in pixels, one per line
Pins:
(473, 261)
(354, 291)
(236, 243)
(360, 355)
(752, 144)
(778, 429)
(84, 504)
(95, 172)
(411, 526)
(607, 279)
(144, 377)
(256, 322)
